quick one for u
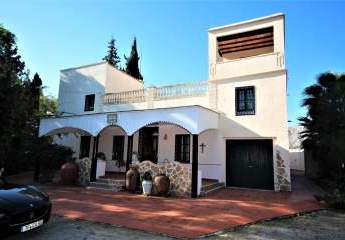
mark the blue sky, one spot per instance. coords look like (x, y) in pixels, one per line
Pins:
(172, 36)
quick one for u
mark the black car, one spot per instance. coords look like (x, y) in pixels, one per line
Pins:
(22, 207)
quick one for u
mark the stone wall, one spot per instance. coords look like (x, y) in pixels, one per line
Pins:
(84, 166)
(283, 180)
(180, 175)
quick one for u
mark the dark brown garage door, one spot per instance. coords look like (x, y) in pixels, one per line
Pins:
(249, 163)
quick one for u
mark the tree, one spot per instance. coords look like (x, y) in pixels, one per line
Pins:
(324, 134)
(48, 106)
(112, 57)
(12, 94)
(36, 91)
(132, 64)
(22, 104)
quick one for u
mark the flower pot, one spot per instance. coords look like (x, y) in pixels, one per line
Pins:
(147, 187)
(132, 178)
(69, 173)
(162, 184)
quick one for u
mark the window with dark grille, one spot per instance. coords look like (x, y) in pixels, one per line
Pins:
(182, 148)
(84, 146)
(89, 102)
(245, 101)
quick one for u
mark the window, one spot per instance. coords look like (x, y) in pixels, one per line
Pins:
(89, 102)
(246, 44)
(245, 101)
(182, 148)
(84, 146)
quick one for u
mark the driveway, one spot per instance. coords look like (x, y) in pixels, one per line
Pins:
(181, 217)
(321, 225)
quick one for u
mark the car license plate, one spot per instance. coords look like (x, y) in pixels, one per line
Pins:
(32, 226)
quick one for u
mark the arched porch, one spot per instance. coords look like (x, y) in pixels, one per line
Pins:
(158, 135)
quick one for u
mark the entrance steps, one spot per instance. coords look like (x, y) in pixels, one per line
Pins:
(108, 184)
(118, 185)
(210, 186)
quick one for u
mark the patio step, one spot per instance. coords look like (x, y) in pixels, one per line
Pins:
(105, 184)
(118, 182)
(210, 188)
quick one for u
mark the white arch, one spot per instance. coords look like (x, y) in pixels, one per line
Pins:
(67, 130)
(167, 123)
(91, 123)
(194, 119)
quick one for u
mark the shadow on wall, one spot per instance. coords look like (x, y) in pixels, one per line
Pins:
(73, 89)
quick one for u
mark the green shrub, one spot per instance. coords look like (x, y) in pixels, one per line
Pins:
(336, 199)
(52, 156)
(47, 158)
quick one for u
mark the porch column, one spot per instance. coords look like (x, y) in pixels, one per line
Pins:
(195, 166)
(94, 159)
(129, 151)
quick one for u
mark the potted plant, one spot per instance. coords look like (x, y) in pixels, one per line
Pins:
(120, 163)
(147, 183)
(162, 184)
(132, 179)
(69, 173)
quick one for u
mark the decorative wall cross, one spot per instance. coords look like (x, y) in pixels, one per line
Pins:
(202, 147)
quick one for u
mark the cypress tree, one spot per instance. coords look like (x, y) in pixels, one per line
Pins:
(36, 89)
(132, 64)
(112, 57)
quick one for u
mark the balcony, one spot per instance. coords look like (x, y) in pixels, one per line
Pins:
(247, 66)
(178, 91)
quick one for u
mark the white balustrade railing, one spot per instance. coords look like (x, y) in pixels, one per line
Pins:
(181, 90)
(160, 93)
(125, 97)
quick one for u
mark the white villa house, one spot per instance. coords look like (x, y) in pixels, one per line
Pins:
(231, 128)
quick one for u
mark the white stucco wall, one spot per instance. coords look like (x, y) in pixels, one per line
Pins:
(75, 83)
(166, 148)
(106, 141)
(118, 81)
(68, 140)
(105, 145)
(250, 65)
(71, 140)
(297, 161)
(98, 79)
(270, 120)
(212, 160)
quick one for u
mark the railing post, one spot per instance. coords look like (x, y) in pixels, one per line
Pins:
(151, 93)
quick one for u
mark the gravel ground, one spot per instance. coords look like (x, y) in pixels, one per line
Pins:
(320, 225)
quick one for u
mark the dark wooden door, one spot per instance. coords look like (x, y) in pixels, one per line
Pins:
(84, 146)
(249, 163)
(118, 147)
(148, 143)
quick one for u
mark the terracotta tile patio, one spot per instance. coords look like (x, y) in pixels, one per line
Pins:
(181, 217)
